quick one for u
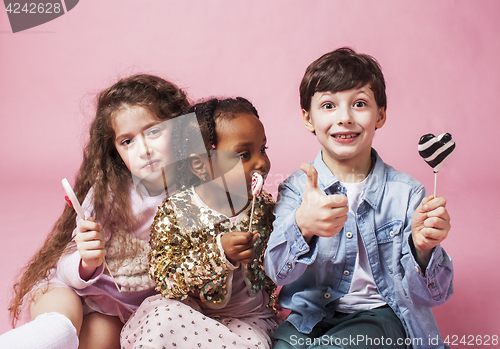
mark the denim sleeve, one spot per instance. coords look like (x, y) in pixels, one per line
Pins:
(434, 286)
(288, 254)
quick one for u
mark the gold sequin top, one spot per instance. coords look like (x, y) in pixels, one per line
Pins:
(185, 258)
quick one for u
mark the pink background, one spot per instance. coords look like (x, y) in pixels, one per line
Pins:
(440, 60)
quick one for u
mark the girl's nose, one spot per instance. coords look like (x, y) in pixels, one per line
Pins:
(262, 165)
(144, 151)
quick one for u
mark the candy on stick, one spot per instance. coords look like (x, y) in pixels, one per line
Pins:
(435, 151)
(257, 182)
(73, 202)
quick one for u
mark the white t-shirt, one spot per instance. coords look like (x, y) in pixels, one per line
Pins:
(363, 293)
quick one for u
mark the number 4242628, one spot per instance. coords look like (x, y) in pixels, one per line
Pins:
(34, 8)
(471, 340)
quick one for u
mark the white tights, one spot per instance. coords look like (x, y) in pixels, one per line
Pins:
(47, 331)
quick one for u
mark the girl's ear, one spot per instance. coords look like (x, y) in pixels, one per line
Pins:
(197, 166)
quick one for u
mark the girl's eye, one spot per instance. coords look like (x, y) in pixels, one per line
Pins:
(359, 104)
(153, 132)
(244, 155)
(327, 105)
(127, 142)
(263, 150)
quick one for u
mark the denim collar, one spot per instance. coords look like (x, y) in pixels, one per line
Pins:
(332, 185)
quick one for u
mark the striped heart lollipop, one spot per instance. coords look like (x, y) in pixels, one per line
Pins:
(435, 151)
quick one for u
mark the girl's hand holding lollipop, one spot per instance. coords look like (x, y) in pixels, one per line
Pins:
(89, 238)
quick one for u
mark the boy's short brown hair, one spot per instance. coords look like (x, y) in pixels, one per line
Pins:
(340, 70)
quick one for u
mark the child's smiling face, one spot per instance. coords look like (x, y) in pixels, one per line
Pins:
(344, 123)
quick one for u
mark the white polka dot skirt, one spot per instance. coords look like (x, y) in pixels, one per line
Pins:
(162, 323)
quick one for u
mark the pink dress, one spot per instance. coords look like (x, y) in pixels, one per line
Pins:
(206, 301)
(131, 272)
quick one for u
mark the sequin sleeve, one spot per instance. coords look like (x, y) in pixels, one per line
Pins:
(185, 258)
(262, 222)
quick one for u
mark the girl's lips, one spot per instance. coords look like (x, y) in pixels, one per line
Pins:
(150, 164)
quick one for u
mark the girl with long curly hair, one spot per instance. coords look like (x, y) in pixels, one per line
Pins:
(128, 169)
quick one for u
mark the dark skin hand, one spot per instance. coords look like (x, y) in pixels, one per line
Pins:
(239, 246)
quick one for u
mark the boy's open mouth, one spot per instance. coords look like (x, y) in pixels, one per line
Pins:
(345, 136)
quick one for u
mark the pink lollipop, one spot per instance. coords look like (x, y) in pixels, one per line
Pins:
(257, 182)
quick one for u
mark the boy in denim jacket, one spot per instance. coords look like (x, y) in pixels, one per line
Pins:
(356, 244)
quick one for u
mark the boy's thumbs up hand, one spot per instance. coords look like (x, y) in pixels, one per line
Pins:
(319, 214)
(312, 178)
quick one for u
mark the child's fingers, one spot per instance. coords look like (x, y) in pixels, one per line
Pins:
(248, 245)
(430, 237)
(93, 255)
(242, 238)
(437, 223)
(246, 256)
(423, 207)
(431, 223)
(92, 252)
(241, 244)
(89, 245)
(335, 201)
(437, 216)
(312, 177)
(425, 242)
(439, 212)
(330, 222)
(432, 203)
(255, 236)
(426, 209)
(88, 225)
(91, 235)
(435, 230)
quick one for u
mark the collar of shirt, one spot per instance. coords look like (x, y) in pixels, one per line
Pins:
(332, 185)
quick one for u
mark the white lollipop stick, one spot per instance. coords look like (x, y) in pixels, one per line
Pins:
(78, 208)
(257, 182)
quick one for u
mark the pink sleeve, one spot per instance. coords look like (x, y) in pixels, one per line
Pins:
(68, 271)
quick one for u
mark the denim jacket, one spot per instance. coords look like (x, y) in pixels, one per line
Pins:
(316, 274)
